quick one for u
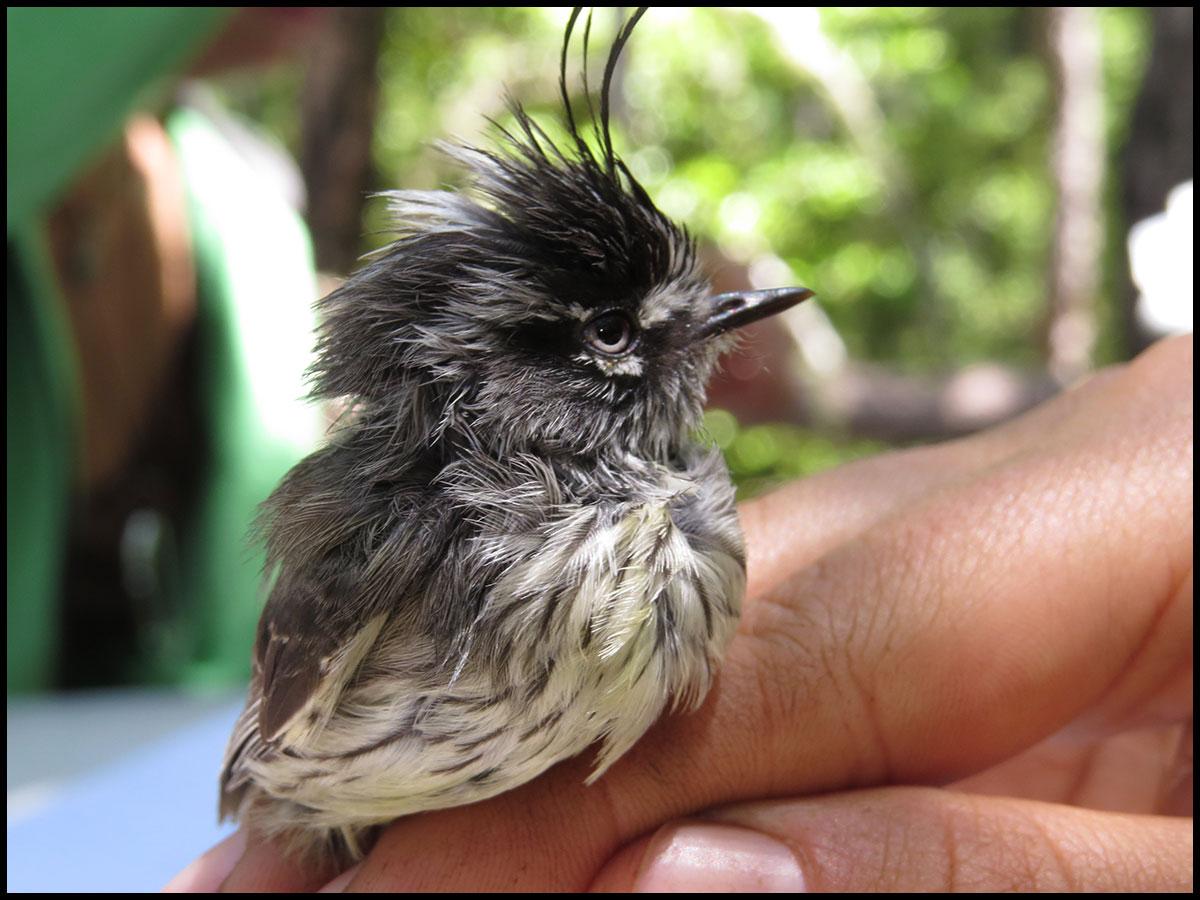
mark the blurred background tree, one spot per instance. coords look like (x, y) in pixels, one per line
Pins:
(948, 180)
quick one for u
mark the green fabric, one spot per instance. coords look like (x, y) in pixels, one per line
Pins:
(256, 290)
(73, 77)
(39, 442)
(256, 286)
(74, 74)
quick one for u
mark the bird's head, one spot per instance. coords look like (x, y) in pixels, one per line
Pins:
(551, 307)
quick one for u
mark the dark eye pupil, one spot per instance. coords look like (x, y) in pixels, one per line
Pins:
(610, 333)
(610, 330)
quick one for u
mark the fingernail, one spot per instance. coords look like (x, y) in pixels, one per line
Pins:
(338, 885)
(205, 874)
(706, 858)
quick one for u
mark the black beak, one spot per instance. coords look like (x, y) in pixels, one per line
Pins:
(738, 308)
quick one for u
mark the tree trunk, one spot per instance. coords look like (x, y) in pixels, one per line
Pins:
(341, 93)
(1073, 42)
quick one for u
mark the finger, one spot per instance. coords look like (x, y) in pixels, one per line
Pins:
(999, 608)
(791, 527)
(339, 884)
(798, 523)
(204, 875)
(908, 840)
(267, 867)
(949, 637)
(697, 856)
(1138, 771)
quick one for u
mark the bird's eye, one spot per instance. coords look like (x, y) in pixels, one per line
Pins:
(610, 332)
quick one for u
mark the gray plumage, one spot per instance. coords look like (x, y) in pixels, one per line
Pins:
(514, 548)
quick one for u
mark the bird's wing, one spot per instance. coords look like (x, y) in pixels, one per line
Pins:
(308, 650)
(311, 640)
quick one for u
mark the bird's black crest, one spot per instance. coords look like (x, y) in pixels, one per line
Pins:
(576, 205)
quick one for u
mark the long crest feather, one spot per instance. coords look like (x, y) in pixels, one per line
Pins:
(562, 74)
(587, 90)
(600, 122)
(614, 55)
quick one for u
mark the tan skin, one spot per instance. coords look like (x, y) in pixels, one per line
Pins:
(966, 666)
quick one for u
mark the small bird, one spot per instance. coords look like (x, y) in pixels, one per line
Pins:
(516, 547)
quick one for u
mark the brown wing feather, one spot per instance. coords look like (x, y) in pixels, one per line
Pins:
(292, 669)
(305, 655)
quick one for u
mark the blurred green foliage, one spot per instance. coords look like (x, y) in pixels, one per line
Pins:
(897, 159)
(762, 457)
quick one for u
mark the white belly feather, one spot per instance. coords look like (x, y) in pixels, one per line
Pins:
(647, 613)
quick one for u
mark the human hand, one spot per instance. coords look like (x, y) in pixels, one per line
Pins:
(1012, 609)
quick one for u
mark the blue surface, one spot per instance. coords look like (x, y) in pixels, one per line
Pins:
(130, 826)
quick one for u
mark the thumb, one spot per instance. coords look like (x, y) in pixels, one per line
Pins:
(908, 839)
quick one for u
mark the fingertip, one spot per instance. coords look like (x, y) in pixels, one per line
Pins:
(621, 872)
(702, 857)
(339, 884)
(265, 867)
(205, 874)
